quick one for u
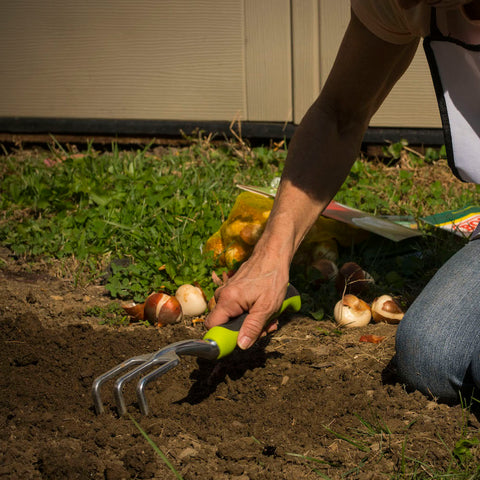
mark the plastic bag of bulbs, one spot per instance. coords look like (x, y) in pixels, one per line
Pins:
(233, 243)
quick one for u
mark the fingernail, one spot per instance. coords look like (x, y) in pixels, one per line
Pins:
(244, 342)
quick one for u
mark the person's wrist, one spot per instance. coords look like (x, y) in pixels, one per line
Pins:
(277, 254)
(276, 244)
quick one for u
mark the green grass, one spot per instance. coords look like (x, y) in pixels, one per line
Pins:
(137, 220)
(389, 190)
(111, 314)
(143, 218)
(156, 449)
(373, 440)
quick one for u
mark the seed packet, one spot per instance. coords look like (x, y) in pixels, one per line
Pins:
(461, 222)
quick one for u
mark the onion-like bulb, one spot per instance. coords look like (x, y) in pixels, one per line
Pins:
(352, 278)
(192, 300)
(386, 309)
(162, 309)
(351, 312)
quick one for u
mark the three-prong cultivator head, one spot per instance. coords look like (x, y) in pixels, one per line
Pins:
(218, 342)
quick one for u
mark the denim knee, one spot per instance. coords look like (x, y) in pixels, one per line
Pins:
(438, 341)
(421, 364)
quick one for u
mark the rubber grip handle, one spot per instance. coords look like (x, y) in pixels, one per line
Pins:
(225, 336)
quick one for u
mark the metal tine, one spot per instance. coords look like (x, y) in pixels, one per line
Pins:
(158, 358)
(167, 358)
(100, 380)
(200, 348)
(144, 381)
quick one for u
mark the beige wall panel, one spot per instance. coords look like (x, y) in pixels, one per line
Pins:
(257, 60)
(334, 17)
(412, 101)
(149, 59)
(306, 56)
(268, 60)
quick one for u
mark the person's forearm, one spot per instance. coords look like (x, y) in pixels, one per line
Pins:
(320, 156)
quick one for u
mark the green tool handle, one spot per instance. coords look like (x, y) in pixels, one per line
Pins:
(225, 336)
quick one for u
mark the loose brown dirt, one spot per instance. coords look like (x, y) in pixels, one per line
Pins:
(303, 393)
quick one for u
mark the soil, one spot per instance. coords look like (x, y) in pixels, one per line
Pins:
(303, 403)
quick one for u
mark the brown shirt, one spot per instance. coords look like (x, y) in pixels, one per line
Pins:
(389, 21)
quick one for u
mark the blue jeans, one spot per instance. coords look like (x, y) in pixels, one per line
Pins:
(438, 340)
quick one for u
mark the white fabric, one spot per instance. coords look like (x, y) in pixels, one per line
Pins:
(460, 74)
(458, 67)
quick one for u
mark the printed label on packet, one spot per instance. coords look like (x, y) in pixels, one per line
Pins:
(462, 222)
(467, 226)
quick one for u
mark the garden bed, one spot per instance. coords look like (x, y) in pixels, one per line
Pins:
(303, 403)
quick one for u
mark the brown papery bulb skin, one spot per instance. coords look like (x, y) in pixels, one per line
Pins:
(352, 278)
(211, 304)
(162, 309)
(134, 310)
(352, 312)
(386, 309)
(327, 268)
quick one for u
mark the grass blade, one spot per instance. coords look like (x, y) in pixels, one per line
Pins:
(360, 446)
(156, 449)
(315, 460)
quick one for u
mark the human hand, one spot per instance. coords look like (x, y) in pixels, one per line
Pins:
(255, 289)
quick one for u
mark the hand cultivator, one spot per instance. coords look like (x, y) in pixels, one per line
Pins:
(218, 342)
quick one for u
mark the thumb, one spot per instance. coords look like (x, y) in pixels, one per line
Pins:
(222, 313)
(251, 329)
